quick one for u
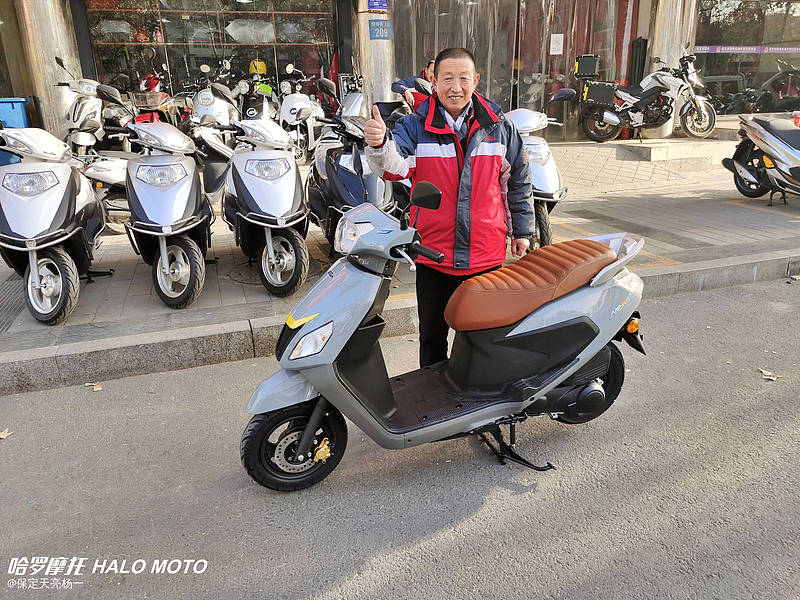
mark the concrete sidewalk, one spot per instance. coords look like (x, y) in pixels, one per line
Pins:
(700, 233)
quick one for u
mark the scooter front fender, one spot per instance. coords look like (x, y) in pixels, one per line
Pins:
(284, 388)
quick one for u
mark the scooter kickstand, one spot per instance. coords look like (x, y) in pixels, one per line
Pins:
(91, 274)
(506, 452)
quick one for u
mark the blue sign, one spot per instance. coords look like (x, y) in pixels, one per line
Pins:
(380, 29)
(377, 4)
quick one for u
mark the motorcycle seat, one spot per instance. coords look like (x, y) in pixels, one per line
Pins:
(633, 90)
(504, 296)
(783, 129)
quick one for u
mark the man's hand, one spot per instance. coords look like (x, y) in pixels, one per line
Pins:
(375, 129)
(409, 96)
(519, 246)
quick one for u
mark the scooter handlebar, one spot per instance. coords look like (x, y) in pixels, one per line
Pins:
(421, 250)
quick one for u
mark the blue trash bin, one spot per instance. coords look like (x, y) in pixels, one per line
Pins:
(12, 114)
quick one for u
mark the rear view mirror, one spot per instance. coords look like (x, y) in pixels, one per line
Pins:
(222, 92)
(226, 64)
(205, 69)
(426, 195)
(109, 94)
(290, 68)
(326, 86)
(423, 87)
(563, 94)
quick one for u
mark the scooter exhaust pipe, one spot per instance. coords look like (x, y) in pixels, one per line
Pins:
(611, 118)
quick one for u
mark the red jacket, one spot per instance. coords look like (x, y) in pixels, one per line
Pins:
(484, 199)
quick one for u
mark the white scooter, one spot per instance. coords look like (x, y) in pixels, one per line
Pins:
(301, 125)
(49, 221)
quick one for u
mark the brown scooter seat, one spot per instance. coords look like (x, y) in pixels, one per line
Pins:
(505, 296)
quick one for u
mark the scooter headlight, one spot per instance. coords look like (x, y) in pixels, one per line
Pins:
(29, 184)
(286, 87)
(160, 175)
(204, 98)
(87, 88)
(312, 343)
(347, 235)
(267, 168)
(538, 152)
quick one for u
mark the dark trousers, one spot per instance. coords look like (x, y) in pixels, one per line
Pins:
(434, 289)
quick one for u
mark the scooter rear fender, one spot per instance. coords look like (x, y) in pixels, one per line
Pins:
(284, 388)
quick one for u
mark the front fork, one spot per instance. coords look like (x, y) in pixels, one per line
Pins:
(270, 248)
(162, 250)
(33, 262)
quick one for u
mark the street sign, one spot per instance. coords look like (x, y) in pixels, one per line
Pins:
(377, 4)
(380, 29)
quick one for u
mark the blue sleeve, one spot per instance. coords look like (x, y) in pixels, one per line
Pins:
(401, 85)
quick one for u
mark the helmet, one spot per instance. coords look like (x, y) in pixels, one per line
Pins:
(258, 66)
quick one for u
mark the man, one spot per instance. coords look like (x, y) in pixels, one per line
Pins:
(462, 143)
(405, 86)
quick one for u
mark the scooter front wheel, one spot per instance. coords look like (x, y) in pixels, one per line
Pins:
(59, 285)
(182, 284)
(289, 269)
(270, 440)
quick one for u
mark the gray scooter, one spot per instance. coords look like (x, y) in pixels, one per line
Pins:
(50, 221)
(170, 222)
(533, 338)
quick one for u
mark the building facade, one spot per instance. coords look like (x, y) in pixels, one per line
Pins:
(525, 49)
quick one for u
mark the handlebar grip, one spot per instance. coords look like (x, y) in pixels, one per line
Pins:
(113, 129)
(418, 248)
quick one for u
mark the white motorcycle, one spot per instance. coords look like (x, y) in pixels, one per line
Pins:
(649, 104)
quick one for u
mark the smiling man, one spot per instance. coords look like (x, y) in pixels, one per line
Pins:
(462, 143)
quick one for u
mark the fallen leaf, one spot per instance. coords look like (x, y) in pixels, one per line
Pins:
(769, 375)
(4, 434)
(96, 387)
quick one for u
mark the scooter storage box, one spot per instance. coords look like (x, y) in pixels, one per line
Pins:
(587, 66)
(599, 92)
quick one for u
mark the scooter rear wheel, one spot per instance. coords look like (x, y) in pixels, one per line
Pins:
(612, 384)
(543, 223)
(749, 190)
(270, 440)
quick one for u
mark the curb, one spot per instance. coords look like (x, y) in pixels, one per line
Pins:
(111, 358)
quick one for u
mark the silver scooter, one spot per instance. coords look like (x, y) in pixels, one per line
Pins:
(533, 338)
(170, 223)
(265, 204)
(767, 159)
(49, 221)
(548, 188)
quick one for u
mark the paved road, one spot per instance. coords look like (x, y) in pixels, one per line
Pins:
(686, 489)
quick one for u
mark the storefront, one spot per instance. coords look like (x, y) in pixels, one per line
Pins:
(131, 38)
(749, 53)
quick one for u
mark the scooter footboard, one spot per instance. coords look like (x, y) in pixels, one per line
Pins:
(284, 388)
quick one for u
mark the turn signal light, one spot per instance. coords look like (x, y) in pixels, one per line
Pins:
(768, 162)
(632, 326)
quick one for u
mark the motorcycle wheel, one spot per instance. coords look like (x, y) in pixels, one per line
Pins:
(543, 223)
(750, 190)
(596, 129)
(702, 127)
(183, 284)
(612, 384)
(270, 441)
(56, 299)
(290, 269)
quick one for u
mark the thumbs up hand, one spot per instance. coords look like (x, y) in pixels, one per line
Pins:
(375, 129)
